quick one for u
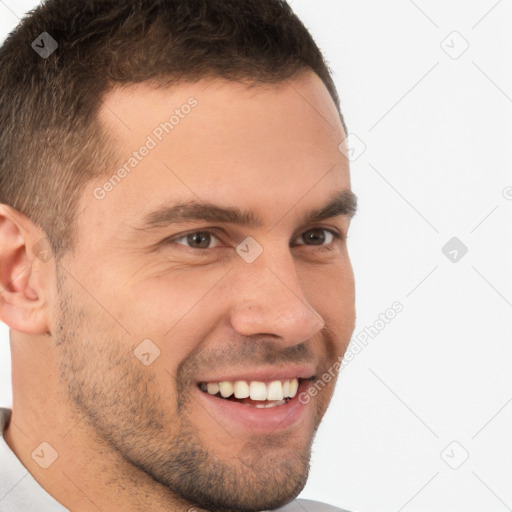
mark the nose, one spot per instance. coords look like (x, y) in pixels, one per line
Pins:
(269, 300)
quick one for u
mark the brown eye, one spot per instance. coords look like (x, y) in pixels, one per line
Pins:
(196, 239)
(318, 236)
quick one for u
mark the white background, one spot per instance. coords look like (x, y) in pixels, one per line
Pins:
(431, 144)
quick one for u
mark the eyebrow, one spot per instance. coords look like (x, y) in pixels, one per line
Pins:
(342, 203)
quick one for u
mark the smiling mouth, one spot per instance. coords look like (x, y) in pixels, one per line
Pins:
(262, 395)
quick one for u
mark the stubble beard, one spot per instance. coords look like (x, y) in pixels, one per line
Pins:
(120, 400)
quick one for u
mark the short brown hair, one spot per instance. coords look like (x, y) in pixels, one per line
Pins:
(51, 143)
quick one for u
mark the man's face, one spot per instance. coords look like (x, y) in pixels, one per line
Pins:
(157, 309)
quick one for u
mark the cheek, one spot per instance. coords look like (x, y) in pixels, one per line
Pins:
(167, 304)
(331, 291)
(179, 313)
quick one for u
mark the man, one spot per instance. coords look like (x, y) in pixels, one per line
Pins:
(175, 203)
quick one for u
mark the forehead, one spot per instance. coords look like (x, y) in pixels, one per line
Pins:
(219, 141)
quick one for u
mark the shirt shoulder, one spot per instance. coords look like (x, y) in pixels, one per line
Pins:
(309, 506)
(19, 491)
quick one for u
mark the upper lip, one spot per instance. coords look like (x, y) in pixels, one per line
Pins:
(264, 374)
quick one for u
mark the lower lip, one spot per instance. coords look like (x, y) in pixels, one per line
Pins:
(271, 420)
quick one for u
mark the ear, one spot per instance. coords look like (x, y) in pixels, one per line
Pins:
(27, 273)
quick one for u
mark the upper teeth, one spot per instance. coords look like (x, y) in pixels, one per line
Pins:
(275, 390)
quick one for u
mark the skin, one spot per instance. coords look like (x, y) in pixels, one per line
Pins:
(124, 440)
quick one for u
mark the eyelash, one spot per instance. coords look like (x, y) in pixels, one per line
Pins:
(336, 237)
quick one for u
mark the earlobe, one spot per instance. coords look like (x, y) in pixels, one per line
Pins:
(23, 299)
